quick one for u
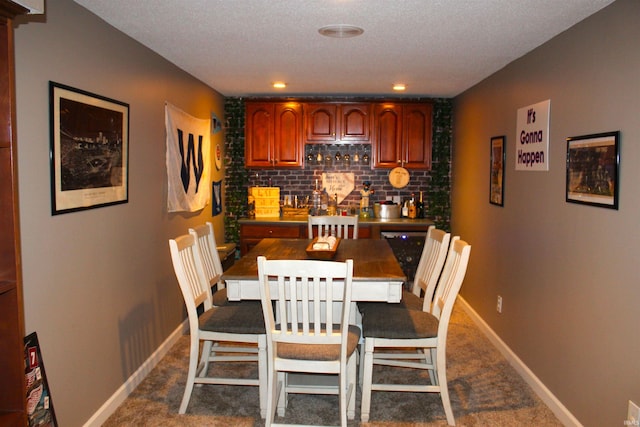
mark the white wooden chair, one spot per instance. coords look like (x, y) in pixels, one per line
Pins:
(306, 338)
(413, 329)
(432, 260)
(206, 241)
(333, 225)
(235, 323)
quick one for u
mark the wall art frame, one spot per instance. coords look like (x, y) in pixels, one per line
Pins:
(593, 164)
(496, 170)
(89, 150)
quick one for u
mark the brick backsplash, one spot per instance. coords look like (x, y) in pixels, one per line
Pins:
(435, 183)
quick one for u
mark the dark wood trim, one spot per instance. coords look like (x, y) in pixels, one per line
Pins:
(12, 386)
(9, 9)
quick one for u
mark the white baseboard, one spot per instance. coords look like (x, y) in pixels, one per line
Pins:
(560, 411)
(110, 406)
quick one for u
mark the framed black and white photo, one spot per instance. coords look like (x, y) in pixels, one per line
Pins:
(496, 176)
(89, 150)
(592, 169)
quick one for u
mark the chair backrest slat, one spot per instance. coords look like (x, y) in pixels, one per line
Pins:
(305, 300)
(333, 225)
(451, 279)
(206, 241)
(430, 266)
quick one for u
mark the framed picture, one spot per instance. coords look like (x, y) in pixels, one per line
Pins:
(496, 175)
(592, 169)
(89, 150)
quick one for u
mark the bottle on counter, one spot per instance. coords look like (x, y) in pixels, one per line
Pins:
(420, 207)
(332, 205)
(405, 209)
(413, 213)
(324, 202)
(316, 200)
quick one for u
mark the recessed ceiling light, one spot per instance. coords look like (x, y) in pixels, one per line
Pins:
(279, 85)
(399, 86)
(341, 31)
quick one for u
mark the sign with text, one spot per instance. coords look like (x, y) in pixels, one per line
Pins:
(532, 137)
(341, 184)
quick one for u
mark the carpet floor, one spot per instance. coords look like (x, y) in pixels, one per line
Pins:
(484, 389)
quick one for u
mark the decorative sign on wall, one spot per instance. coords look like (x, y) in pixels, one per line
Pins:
(532, 137)
(341, 184)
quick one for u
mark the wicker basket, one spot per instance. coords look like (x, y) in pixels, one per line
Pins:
(322, 254)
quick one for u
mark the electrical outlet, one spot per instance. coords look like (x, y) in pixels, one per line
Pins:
(633, 414)
(499, 304)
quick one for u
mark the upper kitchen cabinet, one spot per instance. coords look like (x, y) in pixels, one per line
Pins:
(273, 135)
(402, 135)
(331, 123)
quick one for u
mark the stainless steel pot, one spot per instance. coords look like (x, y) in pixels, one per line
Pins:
(386, 211)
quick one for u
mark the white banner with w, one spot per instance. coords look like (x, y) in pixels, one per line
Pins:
(188, 160)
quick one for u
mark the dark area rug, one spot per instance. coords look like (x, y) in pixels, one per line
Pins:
(485, 391)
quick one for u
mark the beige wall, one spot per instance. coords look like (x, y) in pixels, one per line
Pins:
(569, 274)
(99, 287)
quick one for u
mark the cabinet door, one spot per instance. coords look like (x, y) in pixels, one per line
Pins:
(320, 122)
(355, 123)
(387, 135)
(288, 148)
(259, 134)
(416, 136)
(273, 134)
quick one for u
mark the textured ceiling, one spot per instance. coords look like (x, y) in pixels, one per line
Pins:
(438, 48)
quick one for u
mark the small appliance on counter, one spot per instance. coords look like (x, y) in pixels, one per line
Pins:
(386, 210)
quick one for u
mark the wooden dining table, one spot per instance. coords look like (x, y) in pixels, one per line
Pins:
(377, 275)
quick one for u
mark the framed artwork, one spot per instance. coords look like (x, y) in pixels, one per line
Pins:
(89, 150)
(592, 169)
(496, 175)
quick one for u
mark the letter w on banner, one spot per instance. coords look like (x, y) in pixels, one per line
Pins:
(188, 160)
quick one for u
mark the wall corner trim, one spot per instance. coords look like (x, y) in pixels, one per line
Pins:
(560, 411)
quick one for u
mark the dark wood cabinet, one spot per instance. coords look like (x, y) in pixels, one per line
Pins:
(355, 122)
(273, 135)
(321, 122)
(12, 383)
(334, 123)
(402, 135)
(251, 234)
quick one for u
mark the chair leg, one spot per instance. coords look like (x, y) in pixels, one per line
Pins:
(430, 358)
(263, 382)
(191, 373)
(282, 399)
(342, 396)
(351, 384)
(441, 370)
(361, 363)
(272, 395)
(369, 344)
(205, 357)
